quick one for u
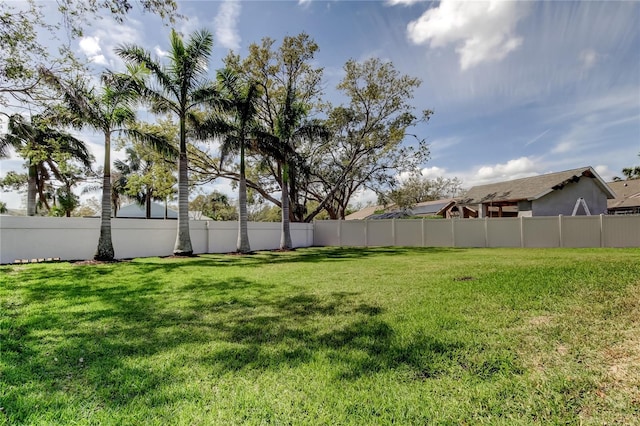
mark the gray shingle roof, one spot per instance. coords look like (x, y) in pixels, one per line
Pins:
(627, 194)
(430, 207)
(530, 188)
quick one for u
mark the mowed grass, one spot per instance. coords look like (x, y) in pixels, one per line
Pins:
(325, 336)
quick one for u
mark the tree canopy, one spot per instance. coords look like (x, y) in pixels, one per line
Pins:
(304, 156)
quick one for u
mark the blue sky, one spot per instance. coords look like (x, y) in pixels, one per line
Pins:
(518, 88)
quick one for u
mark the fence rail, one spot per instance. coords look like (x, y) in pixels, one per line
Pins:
(555, 231)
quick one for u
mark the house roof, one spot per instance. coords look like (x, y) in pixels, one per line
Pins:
(432, 207)
(363, 213)
(531, 188)
(435, 207)
(391, 215)
(627, 194)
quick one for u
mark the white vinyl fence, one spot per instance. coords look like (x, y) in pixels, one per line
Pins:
(76, 238)
(556, 231)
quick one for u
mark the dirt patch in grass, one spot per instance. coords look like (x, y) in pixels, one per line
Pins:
(540, 320)
(465, 278)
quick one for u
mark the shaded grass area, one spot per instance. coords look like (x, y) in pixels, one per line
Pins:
(325, 336)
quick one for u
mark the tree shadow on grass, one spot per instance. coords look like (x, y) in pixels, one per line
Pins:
(119, 342)
(303, 255)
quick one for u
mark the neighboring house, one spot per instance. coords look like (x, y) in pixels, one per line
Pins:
(364, 213)
(627, 199)
(136, 211)
(571, 192)
(197, 215)
(446, 208)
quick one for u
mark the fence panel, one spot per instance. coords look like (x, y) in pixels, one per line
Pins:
(152, 237)
(380, 232)
(409, 232)
(580, 231)
(301, 234)
(621, 231)
(503, 232)
(540, 232)
(326, 233)
(469, 233)
(438, 233)
(353, 233)
(47, 237)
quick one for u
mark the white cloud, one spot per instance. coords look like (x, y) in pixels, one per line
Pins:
(364, 197)
(99, 47)
(433, 172)
(226, 22)
(158, 51)
(588, 58)
(90, 46)
(512, 169)
(481, 31)
(100, 59)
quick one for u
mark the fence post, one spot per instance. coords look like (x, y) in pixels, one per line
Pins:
(560, 231)
(453, 232)
(339, 233)
(422, 232)
(486, 231)
(366, 233)
(393, 231)
(206, 230)
(601, 230)
(522, 232)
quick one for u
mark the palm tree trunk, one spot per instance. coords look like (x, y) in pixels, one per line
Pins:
(243, 245)
(147, 204)
(31, 190)
(285, 236)
(105, 246)
(183, 239)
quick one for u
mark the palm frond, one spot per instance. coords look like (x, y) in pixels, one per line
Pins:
(138, 56)
(155, 140)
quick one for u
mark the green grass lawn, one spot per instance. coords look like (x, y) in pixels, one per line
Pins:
(325, 336)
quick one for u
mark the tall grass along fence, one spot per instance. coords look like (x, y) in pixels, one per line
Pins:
(29, 238)
(556, 231)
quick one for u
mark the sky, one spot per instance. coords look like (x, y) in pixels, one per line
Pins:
(518, 88)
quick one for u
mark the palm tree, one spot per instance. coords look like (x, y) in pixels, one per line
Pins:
(108, 110)
(179, 88)
(39, 143)
(235, 123)
(289, 129)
